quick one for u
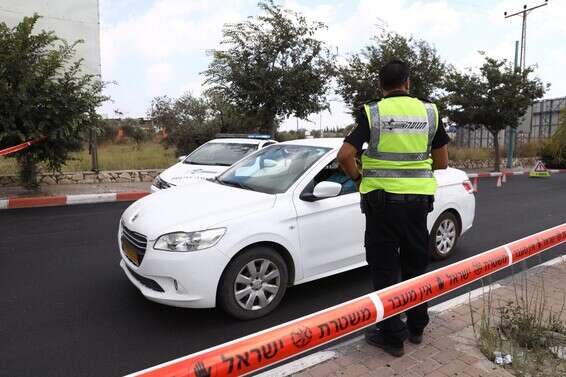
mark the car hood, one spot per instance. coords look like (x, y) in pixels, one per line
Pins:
(450, 176)
(182, 174)
(191, 208)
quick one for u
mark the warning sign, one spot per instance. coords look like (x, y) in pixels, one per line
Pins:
(539, 170)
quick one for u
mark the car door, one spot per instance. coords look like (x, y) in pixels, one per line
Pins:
(331, 229)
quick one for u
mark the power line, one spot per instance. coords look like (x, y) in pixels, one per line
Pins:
(524, 13)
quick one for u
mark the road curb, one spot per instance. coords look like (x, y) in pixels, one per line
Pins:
(61, 200)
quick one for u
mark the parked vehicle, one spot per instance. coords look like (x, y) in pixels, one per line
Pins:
(210, 159)
(280, 217)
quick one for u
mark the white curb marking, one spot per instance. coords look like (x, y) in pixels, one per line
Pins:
(3, 203)
(554, 261)
(298, 365)
(462, 299)
(91, 198)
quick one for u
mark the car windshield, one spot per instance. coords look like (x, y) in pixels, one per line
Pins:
(272, 170)
(223, 154)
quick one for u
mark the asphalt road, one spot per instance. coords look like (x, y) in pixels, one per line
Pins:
(67, 310)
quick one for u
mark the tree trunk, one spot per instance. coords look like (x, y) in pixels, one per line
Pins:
(497, 166)
(28, 173)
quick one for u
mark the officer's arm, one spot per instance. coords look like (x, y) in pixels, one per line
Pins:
(440, 158)
(347, 160)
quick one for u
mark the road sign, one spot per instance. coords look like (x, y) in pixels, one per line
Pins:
(539, 170)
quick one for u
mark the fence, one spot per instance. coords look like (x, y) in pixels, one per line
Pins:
(257, 351)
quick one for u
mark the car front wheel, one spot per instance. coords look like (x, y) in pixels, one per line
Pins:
(444, 236)
(254, 283)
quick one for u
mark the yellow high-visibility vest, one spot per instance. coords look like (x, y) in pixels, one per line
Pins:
(398, 156)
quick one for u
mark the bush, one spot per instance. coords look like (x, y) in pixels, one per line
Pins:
(465, 154)
(107, 130)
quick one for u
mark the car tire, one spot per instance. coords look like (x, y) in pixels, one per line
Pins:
(444, 236)
(253, 284)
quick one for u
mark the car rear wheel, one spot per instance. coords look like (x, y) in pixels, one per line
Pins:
(444, 236)
(254, 283)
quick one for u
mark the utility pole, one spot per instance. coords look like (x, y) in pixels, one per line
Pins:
(512, 132)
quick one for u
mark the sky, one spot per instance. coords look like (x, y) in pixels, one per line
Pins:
(159, 47)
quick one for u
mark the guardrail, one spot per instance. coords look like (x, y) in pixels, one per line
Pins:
(257, 351)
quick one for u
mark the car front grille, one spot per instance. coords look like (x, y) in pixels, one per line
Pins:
(137, 243)
(151, 284)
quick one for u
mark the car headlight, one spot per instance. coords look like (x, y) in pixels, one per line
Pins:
(182, 241)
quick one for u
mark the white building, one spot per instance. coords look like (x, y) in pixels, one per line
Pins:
(69, 19)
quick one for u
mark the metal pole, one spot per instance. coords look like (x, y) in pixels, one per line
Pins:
(93, 150)
(511, 131)
(522, 64)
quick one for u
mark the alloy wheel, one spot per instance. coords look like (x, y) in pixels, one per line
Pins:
(445, 236)
(257, 284)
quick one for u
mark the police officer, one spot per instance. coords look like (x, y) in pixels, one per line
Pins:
(406, 141)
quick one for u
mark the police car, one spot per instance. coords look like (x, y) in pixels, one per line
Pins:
(280, 217)
(210, 159)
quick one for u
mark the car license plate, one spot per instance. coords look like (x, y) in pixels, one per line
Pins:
(130, 252)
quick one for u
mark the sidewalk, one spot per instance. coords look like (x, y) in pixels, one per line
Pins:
(449, 347)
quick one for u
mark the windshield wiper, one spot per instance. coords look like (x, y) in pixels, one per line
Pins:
(207, 163)
(234, 184)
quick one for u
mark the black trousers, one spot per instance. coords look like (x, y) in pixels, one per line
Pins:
(396, 242)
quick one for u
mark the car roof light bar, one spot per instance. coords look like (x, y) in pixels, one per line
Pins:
(244, 136)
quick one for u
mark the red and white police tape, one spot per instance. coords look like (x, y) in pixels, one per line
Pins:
(257, 351)
(20, 147)
(44, 201)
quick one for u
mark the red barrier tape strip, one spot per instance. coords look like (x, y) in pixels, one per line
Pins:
(257, 351)
(20, 147)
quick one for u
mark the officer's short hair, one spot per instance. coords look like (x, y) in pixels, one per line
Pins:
(393, 74)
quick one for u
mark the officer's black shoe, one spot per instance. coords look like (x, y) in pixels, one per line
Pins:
(374, 338)
(415, 338)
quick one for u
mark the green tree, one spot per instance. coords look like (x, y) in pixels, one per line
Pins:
(134, 129)
(43, 93)
(272, 67)
(227, 116)
(358, 81)
(188, 121)
(496, 97)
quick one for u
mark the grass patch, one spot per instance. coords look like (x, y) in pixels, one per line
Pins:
(532, 149)
(466, 154)
(525, 328)
(110, 157)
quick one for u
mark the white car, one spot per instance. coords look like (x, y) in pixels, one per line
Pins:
(282, 216)
(209, 160)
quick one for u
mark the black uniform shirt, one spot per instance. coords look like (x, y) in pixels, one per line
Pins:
(361, 133)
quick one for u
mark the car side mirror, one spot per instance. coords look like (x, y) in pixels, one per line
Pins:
(325, 189)
(181, 158)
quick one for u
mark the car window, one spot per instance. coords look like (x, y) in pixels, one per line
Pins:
(223, 154)
(333, 173)
(273, 169)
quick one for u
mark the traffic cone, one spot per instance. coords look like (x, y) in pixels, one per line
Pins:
(504, 178)
(498, 181)
(476, 184)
